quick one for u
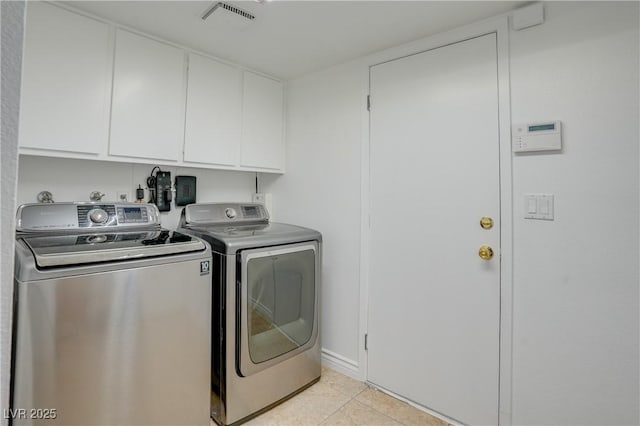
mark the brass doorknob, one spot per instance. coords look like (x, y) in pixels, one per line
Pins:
(485, 252)
(486, 222)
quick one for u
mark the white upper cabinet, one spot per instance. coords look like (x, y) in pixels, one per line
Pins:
(91, 89)
(262, 116)
(66, 82)
(147, 112)
(214, 112)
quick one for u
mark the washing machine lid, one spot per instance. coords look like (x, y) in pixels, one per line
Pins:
(73, 233)
(67, 250)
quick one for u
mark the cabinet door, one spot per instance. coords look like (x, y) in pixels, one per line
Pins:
(262, 142)
(147, 112)
(214, 112)
(66, 81)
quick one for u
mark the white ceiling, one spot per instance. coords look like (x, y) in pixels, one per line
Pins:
(291, 38)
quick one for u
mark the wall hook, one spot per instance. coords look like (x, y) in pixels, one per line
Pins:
(96, 196)
(45, 197)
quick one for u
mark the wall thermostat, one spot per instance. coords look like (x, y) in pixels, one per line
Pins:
(545, 136)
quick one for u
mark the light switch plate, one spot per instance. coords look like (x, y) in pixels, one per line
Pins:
(539, 206)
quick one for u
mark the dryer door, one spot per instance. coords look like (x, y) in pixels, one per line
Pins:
(278, 304)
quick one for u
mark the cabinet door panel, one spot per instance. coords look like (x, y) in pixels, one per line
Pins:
(147, 113)
(214, 112)
(262, 142)
(66, 81)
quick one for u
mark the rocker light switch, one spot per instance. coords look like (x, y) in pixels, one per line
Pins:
(532, 204)
(538, 206)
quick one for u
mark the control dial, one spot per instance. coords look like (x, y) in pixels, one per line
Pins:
(231, 213)
(98, 216)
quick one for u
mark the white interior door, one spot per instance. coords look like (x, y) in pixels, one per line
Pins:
(434, 304)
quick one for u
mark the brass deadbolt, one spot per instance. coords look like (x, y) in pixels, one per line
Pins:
(485, 252)
(486, 222)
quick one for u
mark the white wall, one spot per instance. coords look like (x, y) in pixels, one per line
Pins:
(575, 354)
(74, 180)
(321, 190)
(12, 34)
(576, 325)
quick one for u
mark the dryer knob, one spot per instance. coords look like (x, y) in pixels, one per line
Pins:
(231, 213)
(98, 216)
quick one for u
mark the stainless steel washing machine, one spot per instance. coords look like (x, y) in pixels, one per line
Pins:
(266, 307)
(113, 318)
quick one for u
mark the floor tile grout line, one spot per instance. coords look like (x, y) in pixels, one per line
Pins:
(353, 399)
(339, 408)
(377, 411)
(338, 388)
(391, 397)
(381, 413)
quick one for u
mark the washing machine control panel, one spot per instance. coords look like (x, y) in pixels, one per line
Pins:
(69, 216)
(133, 215)
(118, 215)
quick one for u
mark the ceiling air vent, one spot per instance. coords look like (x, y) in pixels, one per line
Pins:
(228, 8)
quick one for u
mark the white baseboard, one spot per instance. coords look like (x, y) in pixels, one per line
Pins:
(341, 364)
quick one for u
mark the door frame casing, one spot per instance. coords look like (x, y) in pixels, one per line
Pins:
(499, 26)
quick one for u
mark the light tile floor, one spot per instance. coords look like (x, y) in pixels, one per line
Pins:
(339, 400)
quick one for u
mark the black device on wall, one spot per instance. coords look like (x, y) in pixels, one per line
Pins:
(163, 191)
(185, 190)
(160, 189)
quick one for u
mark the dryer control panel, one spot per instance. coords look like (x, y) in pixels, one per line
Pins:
(223, 213)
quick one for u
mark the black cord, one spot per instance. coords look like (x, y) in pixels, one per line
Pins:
(256, 182)
(151, 185)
